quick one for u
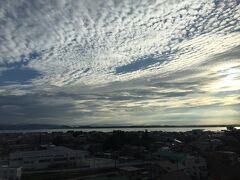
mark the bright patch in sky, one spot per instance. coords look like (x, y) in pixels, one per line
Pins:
(230, 81)
(120, 62)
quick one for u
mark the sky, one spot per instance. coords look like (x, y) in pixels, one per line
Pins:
(120, 62)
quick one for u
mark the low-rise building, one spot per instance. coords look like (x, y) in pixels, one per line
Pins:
(133, 173)
(10, 173)
(227, 157)
(169, 166)
(176, 175)
(193, 166)
(51, 157)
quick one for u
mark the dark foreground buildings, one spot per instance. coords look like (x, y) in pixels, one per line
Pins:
(119, 155)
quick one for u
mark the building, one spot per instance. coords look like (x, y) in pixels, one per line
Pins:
(176, 175)
(227, 157)
(168, 166)
(133, 173)
(51, 157)
(201, 145)
(166, 153)
(196, 167)
(10, 173)
(198, 132)
(193, 166)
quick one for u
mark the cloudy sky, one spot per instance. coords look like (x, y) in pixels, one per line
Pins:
(98, 62)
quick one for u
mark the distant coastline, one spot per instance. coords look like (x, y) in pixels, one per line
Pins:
(44, 126)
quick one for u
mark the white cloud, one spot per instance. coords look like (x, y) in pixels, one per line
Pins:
(82, 42)
(170, 54)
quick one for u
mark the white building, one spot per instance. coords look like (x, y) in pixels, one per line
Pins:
(10, 173)
(52, 157)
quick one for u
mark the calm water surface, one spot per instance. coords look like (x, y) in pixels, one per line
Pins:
(166, 129)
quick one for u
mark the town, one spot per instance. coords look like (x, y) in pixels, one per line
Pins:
(116, 155)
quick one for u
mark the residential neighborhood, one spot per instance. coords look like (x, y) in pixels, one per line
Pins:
(119, 154)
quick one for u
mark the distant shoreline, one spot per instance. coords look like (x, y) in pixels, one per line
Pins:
(49, 127)
(158, 126)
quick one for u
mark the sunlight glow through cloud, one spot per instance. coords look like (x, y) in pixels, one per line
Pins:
(74, 62)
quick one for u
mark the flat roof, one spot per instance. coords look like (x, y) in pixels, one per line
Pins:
(129, 168)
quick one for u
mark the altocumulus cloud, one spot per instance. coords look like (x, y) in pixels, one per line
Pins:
(83, 62)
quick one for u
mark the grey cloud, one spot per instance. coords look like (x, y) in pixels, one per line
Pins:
(103, 59)
(233, 53)
(30, 109)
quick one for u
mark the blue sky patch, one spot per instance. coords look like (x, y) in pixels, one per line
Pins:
(18, 75)
(144, 62)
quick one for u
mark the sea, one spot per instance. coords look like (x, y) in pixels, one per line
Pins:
(164, 129)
